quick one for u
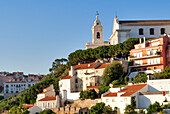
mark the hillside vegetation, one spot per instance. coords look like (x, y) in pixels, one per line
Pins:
(60, 69)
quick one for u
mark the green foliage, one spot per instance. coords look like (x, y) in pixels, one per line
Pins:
(131, 79)
(133, 102)
(88, 94)
(18, 110)
(130, 63)
(130, 110)
(115, 82)
(100, 108)
(153, 108)
(163, 75)
(47, 112)
(141, 111)
(167, 106)
(112, 72)
(28, 96)
(101, 52)
(126, 79)
(1, 89)
(103, 88)
(140, 78)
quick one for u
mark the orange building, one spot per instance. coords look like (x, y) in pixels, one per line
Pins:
(151, 55)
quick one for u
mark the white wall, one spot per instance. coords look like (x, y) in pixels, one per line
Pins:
(73, 96)
(146, 100)
(134, 33)
(159, 85)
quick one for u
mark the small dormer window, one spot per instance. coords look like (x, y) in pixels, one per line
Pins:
(97, 23)
(98, 35)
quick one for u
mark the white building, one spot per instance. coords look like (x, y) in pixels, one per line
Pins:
(12, 89)
(81, 77)
(121, 97)
(97, 35)
(123, 30)
(45, 100)
(145, 94)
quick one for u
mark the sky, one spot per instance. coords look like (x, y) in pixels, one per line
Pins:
(33, 33)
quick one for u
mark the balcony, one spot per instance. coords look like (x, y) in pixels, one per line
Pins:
(144, 64)
(144, 57)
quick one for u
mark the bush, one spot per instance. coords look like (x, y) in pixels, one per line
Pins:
(103, 88)
(126, 79)
(88, 94)
(153, 108)
(140, 78)
(130, 110)
(100, 108)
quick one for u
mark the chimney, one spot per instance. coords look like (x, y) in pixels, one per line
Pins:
(140, 41)
(144, 43)
(72, 70)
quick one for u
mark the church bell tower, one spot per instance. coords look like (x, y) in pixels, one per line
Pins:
(97, 31)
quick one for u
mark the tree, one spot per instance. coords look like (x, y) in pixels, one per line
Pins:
(112, 72)
(88, 94)
(133, 102)
(100, 108)
(154, 108)
(140, 78)
(103, 88)
(130, 110)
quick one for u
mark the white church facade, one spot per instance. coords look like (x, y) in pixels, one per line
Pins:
(125, 29)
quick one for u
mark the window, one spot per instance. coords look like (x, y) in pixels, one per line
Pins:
(113, 100)
(97, 23)
(107, 100)
(151, 31)
(154, 68)
(141, 31)
(98, 35)
(76, 80)
(86, 78)
(162, 31)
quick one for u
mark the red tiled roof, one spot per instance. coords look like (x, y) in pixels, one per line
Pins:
(103, 66)
(85, 66)
(67, 77)
(111, 95)
(48, 99)
(91, 87)
(128, 90)
(131, 89)
(43, 92)
(28, 105)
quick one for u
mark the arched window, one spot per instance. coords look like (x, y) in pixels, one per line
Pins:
(141, 31)
(151, 31)
(162, 31)
(98, 35)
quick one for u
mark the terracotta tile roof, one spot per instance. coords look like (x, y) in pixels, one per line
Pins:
(131, 89)
(43, 92)
(91, 87)
(85, 66)
(48, 99)
(111, 95)
(67, 77)
(103, 66)
(28, 105)
(128, 90)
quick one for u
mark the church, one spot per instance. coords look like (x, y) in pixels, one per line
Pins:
(125, 29)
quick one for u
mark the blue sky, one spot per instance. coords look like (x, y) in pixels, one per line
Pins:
(33, 33)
